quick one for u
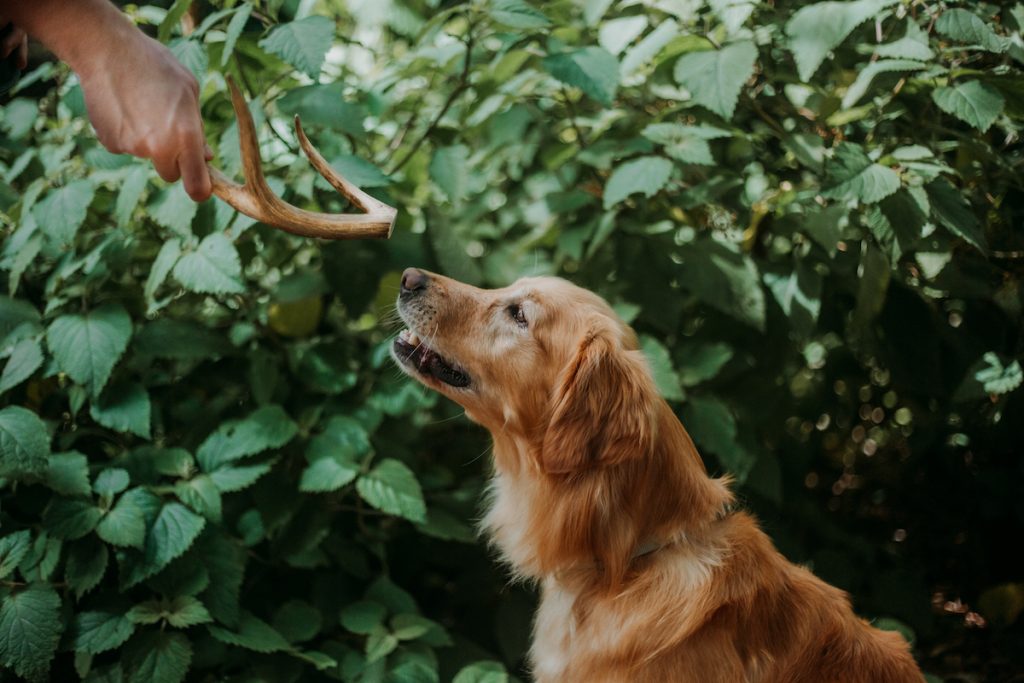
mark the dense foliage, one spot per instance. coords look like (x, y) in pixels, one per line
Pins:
(810, 212)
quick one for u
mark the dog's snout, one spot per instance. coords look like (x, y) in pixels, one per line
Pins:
(414, 280)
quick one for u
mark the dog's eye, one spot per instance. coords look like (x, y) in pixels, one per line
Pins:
(515, 311)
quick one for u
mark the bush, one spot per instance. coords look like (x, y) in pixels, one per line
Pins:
(810, 212)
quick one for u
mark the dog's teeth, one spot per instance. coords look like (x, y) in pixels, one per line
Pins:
(413, 338)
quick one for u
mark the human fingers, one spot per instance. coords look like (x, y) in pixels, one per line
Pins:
(194, 173)
(166, 166)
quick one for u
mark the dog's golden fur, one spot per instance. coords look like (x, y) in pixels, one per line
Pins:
(646, 572)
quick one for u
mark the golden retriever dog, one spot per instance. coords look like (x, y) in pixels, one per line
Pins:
(647, 571)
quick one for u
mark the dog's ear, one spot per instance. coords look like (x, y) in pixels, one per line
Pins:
(602, 409)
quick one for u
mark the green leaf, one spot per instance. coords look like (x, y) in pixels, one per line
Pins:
(966, 27)
(952, 211)
(685, 143)
(171, 20)
(266, 428)
(192, 56)
(644, 174)
(68, 473)
(225, 562)
(86, 565)
(174, 209)
(714, 429)
(24, 443)
(212, 268)
(61, 213)
(593, 70)
(815, 30)
(379, 645)
(715, 77)
(252, 634)
(449, 168)
(165, 261)
(158, 657)
(913, 45)
(111, 481)
(852, 175)
(298, 621)
(25, 359)
(392, 487)
(410, 626)
(180, 612)
(70, 518)
(997, 378)
(303, 43)
(29, 630)
(517, 14)
(703, 362)
(975, 103)
(88, 346)
(132, 188)
(332, 455)
(661, 367)
(124, 408)
(125, 523)
(725, 279)
(359, 171)
(329, 473)
(228, 479)
(234, 30)
(482, 672)
(799, 295)
(866, 75)
(13, 548)
(201, 494)
(324, 105)
(363, 617)
(96, 632)
(173, 532)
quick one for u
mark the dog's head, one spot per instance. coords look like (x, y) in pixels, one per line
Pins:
(542, 360)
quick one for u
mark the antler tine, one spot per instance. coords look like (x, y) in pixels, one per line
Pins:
(256, 199)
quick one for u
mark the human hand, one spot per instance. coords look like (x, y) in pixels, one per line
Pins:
(143, 102)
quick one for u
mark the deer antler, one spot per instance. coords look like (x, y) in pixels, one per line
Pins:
(256, 199)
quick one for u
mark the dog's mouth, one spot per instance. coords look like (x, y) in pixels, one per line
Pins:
(410, 350)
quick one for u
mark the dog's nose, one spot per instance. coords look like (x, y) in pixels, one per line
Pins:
(414, 280)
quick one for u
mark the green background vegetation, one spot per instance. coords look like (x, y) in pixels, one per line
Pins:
(811, 213)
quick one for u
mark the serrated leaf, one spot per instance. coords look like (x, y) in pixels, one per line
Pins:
(303, 43)
(324, 105)
(359, 171)
(952, 211)
(180, 612)
(449, 168)
(62, 211)
(913, 45)
(265, 428)
(715, 77)
(724, 279)
(173, 532)
(71, 518)
(363, 617)
(482, 672)
(132, 188)
(966, 27)
(644, 174)
(192, 56)
(234, 30)
(685, 143)
(25, 359)
(88, 346)
(815, 30)
(13, 548)
(517, 14)
(212, 268)
(29, 630)
(866, 75)
(328, 474)
(86, 565)
(201, 494)
(392, 487)
(68, 473)
(226, 566)
(174, 209)
(852, 175)
(158, 657)
(703, 362)
(228, 479)
(593, 70)
(24, 443)
(975, 103)
(665, 376)
(124, 408)
(252, 634)
(96, 632)
(165, 261)
(125, 523)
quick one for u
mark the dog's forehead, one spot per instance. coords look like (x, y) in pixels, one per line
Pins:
(553, 290)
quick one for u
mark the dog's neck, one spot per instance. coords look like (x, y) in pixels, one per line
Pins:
(599, 522)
